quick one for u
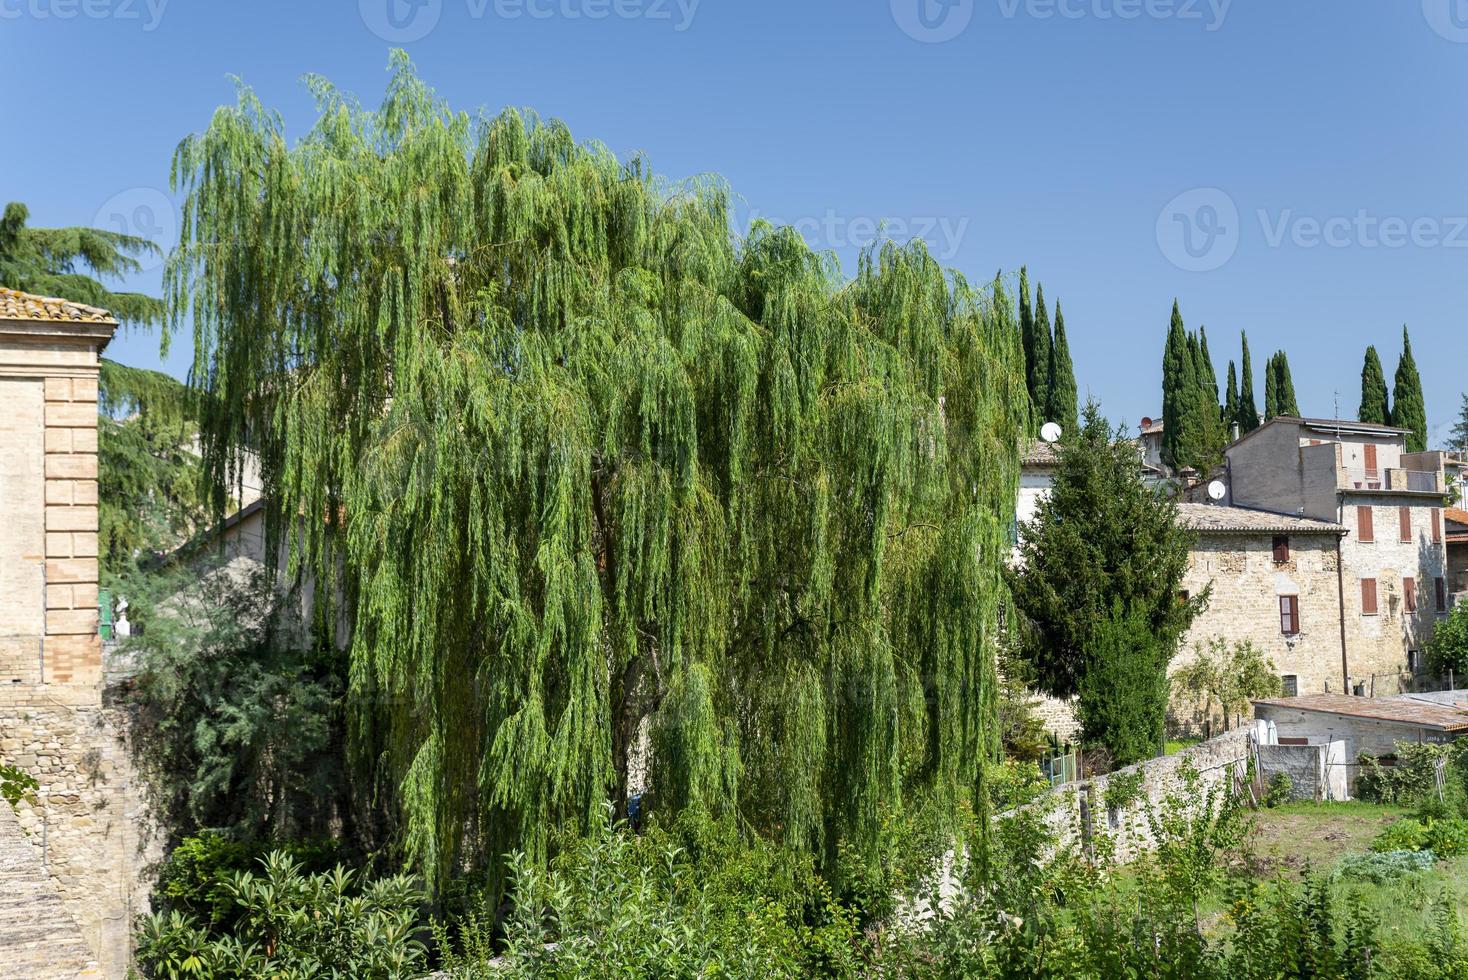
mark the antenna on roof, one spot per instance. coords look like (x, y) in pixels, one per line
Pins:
(1050, 432)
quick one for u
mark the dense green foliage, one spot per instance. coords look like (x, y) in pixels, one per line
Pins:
(1459, 437)
(1409, 405)
(1375, 402)
(238, 720)
(1279, 388)
(577, 460)
(1194, 432)
(1226, 677)
(1099, 541)
(1231, 398)
(1248, 418)
(1448, 648)
(293, 926)
(1122, 703)
(1042, 345)
(66, 262)
(1060, 390)
(150, 498)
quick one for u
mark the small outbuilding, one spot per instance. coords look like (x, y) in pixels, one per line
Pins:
(1373, 725)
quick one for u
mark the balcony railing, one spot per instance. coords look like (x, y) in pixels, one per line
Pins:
(1416, 481)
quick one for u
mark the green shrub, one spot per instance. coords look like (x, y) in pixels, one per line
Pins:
(1281, 790)
(1445, 838)
(1383, 866)
(291, 925)
(1404, 835)
(1014, 783)
(195, 878)
(16, 784)
(697, 900)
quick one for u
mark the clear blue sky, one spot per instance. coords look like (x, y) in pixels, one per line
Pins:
(1058, 133)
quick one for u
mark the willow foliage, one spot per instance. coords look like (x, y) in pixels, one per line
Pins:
(589, 473)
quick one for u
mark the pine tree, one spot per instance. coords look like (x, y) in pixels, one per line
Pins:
(1101, 541)
(1064, 407)
(1178, 382)
(1248, 418)
(1231, 398)
(1044, 343)
(1284, 386)
(584, 464)
(45, 260)
(1409, 407)
(1460, 430)
(1375, 406)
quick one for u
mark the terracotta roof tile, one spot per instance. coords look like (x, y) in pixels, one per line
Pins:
(1039, 453)
(1215, 519)
(16, 305)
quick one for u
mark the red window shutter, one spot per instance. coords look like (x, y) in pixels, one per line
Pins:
(1442, 594)
(1281, 549)
(1289, 615)
(1371, 457)
(1368, 597)
(1404, 514)
(1365, 525)
(1437, 526)
(1409, 593)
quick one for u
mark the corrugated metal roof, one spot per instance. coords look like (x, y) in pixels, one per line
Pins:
(1402, 712)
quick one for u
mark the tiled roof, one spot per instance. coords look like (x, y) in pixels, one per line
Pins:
(1214, 519)
(1403, 712)
(16, 305)
(1457, 515)
(1039, 453)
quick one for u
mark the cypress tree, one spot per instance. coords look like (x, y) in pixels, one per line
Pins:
(1248, 417)
(1064, 399)
(1231, 398)
(1409, 409)
(1459, 435)
(584, 464)
(1374, 404)
(1207, 375)
(1271, 387)
(1027, 335)
(1177, 385)
(1044, 343)
(1284, 386)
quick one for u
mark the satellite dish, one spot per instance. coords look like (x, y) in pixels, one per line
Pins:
(1216, 490)
(1050, 432)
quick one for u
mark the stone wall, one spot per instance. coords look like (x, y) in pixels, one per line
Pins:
(86, 827)
(1245, 605)
(40, 941)
(1078, 816)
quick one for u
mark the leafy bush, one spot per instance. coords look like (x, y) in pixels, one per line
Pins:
(1446, 838)
(16, 784)
(1381, 866)
(196, 877)
(1014, 783)
(1448, 648)
(1413, 779)
(697, 900)
(290, 925)
(1281, 790)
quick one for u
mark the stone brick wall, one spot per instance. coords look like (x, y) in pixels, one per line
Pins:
(86, 828)
(23, 530)
(73, 650)
(1245, 604)
(1078, 816)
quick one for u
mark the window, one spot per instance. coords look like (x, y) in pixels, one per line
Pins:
(1289, 615)
(1404, 517)
(1442, 594)
(1365, 526)
(1371, 462)
(1289, 685)
(1437, 526)
(1368, 597)
(1409, 593)
(1414, 660)
(1281, 549)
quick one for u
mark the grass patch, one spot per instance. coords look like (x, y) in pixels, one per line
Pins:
(1176, 745)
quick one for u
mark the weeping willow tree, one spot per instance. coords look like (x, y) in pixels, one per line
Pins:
(589, 472)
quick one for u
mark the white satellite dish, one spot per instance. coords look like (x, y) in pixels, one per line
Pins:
(1051, 432)
(1216, 490)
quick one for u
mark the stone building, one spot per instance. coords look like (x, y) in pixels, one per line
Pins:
(1393, 579)
(1456, 536)
(75, 846)
(1275, 582)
